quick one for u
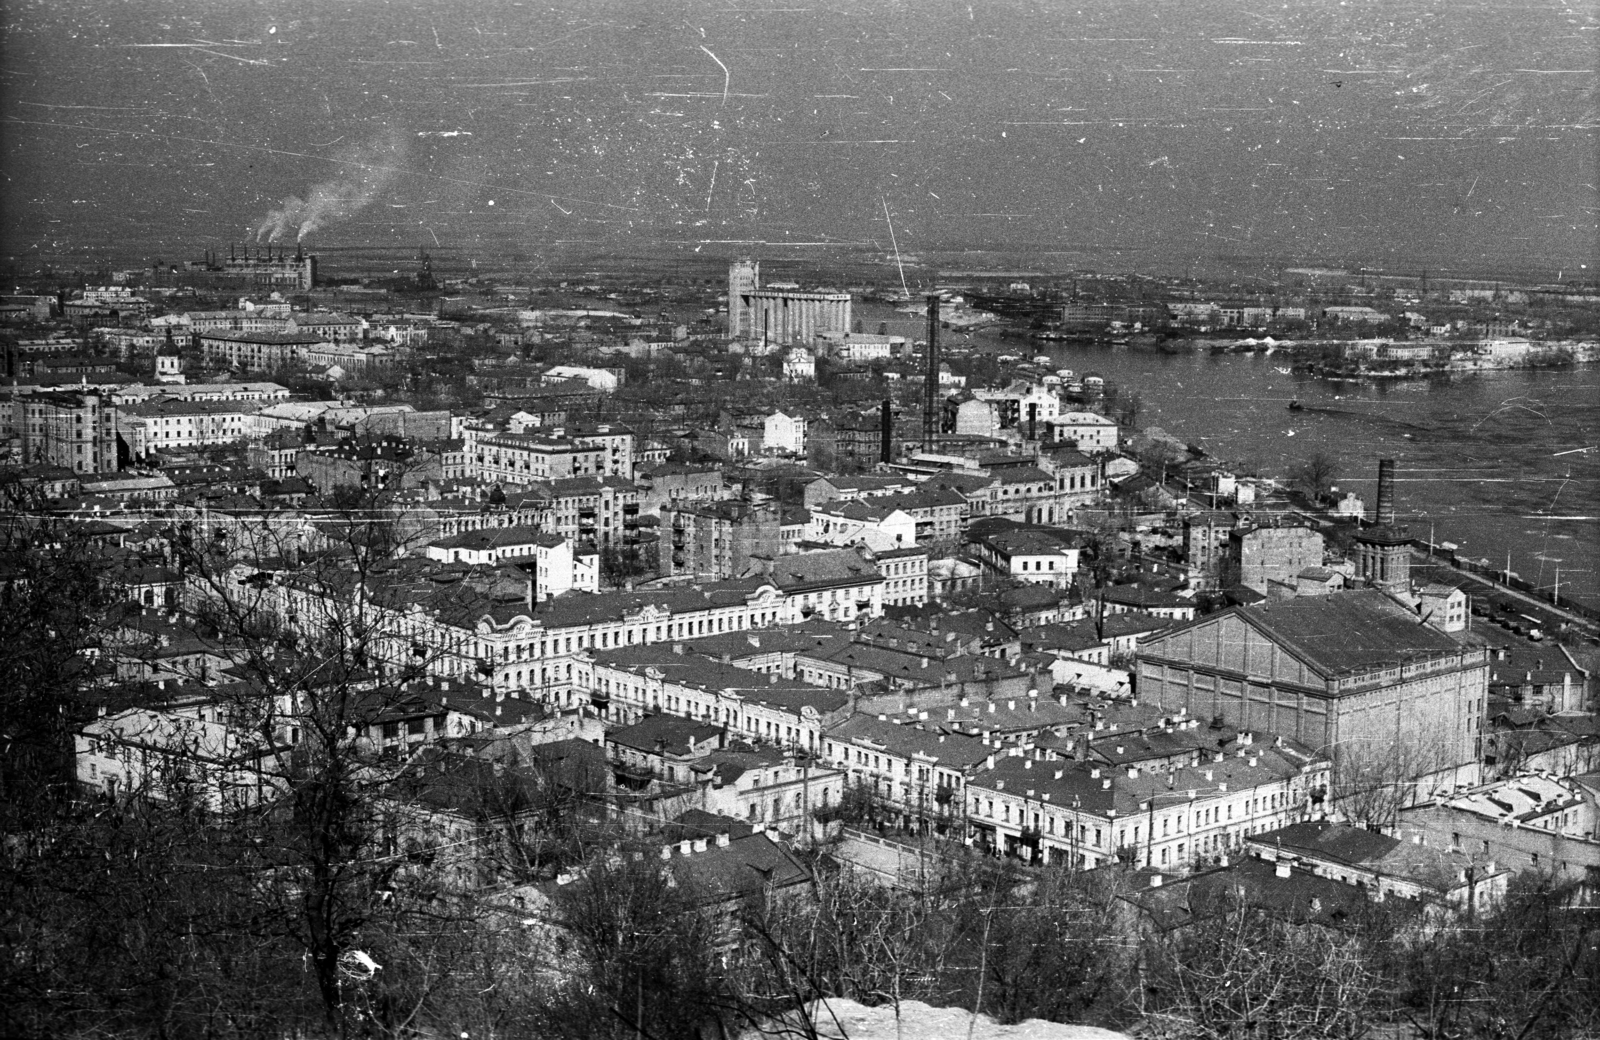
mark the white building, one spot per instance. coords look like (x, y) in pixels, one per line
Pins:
(598, 378)
(1088, 430)
(879, 528)
(905, 577)
(799, 366)
(169, 424)
(1086, 815)
(784, 433)
(1443, 606)
(154, 753)
(560, 567)
(860, 346)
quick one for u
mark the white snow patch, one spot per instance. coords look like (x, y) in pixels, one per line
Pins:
(848, 1020)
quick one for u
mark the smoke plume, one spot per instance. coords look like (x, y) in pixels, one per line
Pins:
(364, 172)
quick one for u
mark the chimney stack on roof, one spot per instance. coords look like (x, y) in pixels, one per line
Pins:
(1385, 508)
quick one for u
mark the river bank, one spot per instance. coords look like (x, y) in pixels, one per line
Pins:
(1493, 460)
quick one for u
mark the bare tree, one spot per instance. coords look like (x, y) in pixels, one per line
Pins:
(1314, 476)
(316, 652)
(642, 956)
(1237, 972)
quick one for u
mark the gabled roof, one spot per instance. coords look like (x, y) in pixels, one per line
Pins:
(1347, 631)
(743, 868)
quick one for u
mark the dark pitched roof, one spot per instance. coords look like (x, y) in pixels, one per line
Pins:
(1348, 631)
(744, 867)
(671, 733)
(1336, 841)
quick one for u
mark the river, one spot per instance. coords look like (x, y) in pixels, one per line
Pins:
(1491, 461)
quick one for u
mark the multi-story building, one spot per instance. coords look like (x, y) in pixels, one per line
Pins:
(1048, 810)
(860, 346)
(671, 484)
(197, 322)
(594, 512)
(717, 539)
(1028, 555)
(937, 514)
(1205, 547)
(1023, 406)
(1086, 431)
(523, 458)
(258, 351)
(744, 278)
(630, 682)
(1027, 494)
(350, 356)
(77, 431)
(126, 344)
(618, 442)
(172, 424)
(1531, 821)
(784, 433)
(455, 623)
(905, 576)
(1352, 673)
(560, 567)
(265, 394)
(1079, 480)
(276, 454)
(916, 770)
(1262, 556)
(875, 524)
(325, 325)
(156, 754)
(831, 584)
(388, 465)
(854, 438)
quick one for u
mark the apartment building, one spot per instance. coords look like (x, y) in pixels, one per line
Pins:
(1046, 810)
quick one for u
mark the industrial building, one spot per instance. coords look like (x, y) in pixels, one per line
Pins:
(780, 314)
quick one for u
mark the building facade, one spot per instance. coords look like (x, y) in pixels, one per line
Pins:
(1352, 673)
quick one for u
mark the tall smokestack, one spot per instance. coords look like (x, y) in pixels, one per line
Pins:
(930, 403)
(886, 428)
(1385, 511)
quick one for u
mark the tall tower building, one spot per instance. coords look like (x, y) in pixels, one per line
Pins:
(1383, 551)
(744, 278)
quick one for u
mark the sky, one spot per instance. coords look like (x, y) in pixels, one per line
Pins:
(1138, 134)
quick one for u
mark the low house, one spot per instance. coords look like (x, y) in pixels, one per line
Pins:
(1038, 556)
(463, 821)
(662, 746)
(1384, 867)
(188, 752)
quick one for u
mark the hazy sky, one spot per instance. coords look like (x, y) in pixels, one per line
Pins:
(1394, 132)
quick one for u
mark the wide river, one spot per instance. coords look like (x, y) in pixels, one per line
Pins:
(1494, 462)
